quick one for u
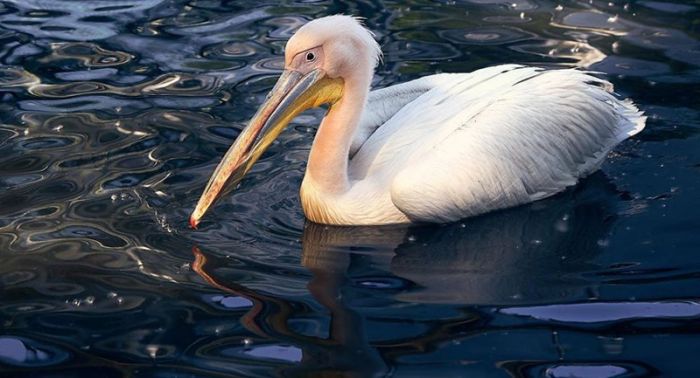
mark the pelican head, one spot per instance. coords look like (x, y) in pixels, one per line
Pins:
(320, 59)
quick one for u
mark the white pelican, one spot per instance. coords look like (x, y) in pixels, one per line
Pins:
(436, 149)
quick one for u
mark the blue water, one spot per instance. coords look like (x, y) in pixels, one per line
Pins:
(114, 113)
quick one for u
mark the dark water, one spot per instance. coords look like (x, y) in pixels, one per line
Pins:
(115, 112)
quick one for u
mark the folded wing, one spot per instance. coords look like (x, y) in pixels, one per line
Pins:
(466, 144)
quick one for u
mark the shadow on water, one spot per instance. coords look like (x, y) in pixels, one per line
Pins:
(533, 254)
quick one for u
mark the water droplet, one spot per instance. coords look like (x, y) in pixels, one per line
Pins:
(152, 350)
(612, 19)
(616, 47)
(559, 8)
(561, 225)
(411, 238)
(612, 345)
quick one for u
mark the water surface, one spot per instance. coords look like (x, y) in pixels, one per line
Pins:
(114, 113)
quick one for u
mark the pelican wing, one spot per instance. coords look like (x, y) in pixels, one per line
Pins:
(495, 138)
(382, 104)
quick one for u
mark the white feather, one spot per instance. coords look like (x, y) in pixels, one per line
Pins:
(450, 146)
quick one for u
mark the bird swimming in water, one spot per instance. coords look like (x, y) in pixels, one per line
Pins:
(436, 149)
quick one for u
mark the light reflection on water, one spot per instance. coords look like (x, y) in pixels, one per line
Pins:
(114, 113)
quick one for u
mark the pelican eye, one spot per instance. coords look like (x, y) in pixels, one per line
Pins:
(310, 57)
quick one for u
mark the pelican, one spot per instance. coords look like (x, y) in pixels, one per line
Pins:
(436, 149)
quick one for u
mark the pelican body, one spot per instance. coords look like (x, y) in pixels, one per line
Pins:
(436, 149)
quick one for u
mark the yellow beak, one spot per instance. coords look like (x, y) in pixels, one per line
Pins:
(293, 93)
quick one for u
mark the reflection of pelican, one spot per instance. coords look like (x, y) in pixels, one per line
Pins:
(339, 352)
(435, 149)
(510, 257)
(532, 254)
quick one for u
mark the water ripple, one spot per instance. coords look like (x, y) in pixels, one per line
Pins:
(170, 84)
(487, 35)
(73, 22)
(23, 352)
(114, 113)
(606, 312)
(89, 55)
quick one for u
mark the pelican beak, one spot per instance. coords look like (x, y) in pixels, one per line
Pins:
(293, 93)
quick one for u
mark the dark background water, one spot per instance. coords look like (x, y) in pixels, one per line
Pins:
(114, 113)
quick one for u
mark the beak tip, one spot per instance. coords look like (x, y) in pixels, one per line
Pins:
(193, 223)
